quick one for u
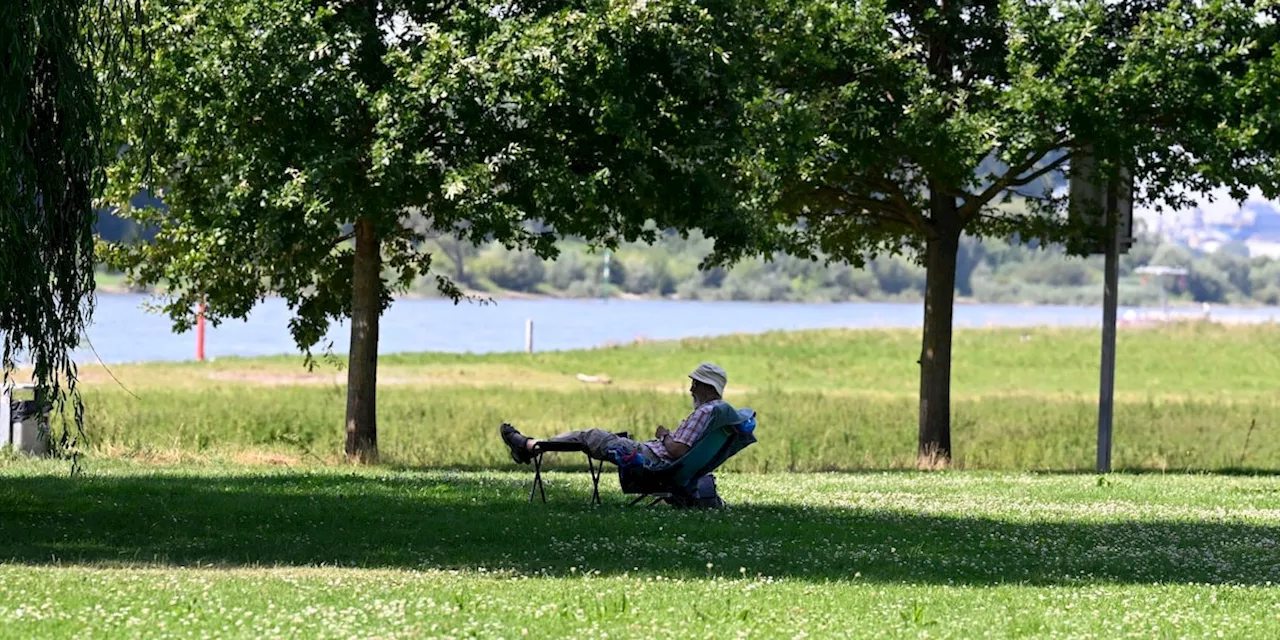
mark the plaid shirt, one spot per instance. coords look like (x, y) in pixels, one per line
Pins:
(690, 431)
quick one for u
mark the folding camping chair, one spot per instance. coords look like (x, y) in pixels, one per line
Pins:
(596, 467)
(730, 432)
(676, 482)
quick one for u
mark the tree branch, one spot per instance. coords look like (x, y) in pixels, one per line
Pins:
(1022, 182)
(880, 216)
(1010, 179)
(841, 202)
(909, 214)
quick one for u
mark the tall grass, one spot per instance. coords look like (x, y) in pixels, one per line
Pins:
(832, 400)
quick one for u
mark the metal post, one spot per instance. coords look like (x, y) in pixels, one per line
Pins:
(1110, 297)
(1164, 300)
(528, 335)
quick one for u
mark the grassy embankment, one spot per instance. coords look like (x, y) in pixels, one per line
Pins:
(179, 529)
(1188, 397)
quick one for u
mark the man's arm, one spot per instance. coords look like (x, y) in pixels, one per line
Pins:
(674, 448)
(689, 432)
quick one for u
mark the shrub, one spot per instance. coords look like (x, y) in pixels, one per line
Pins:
(1206, 283)
(568, 269)
(895, 276)
(512, 270)
(1062, 272)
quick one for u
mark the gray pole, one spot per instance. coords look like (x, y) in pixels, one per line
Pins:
(1109, 299)
(1164, 300)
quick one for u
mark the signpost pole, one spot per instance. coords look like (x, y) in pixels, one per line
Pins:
(1106, 392)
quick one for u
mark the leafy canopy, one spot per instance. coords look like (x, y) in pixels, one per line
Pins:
(881, 104)
(55, 80)
(280, 122)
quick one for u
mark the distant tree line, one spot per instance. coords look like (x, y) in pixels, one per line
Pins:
(991, 270)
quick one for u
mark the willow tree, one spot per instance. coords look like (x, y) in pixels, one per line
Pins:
(899, 125)
(53, 85)
(293, 139)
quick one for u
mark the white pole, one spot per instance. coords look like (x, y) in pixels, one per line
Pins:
(528, 335)
(5, 423)
(604, 290)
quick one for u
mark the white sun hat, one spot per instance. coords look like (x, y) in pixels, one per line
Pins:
(711, 374)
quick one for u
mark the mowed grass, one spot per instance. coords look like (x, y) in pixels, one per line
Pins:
(135, 549)
(181, 527)
(1194, 396)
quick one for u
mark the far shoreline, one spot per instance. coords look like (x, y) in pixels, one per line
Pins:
(1182, 305)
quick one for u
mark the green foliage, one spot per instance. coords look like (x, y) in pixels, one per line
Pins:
(1234, 267)
(1264, 280)
(645, 274)
(1003, 272)
(896, 277)
(284, 121)
(1172, 255)
(511, 270)
(55, 81)
(1058, 273)
(1207, 283)
(898, 127)
(877, 106)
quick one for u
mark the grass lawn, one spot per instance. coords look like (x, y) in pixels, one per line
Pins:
(1198, 396)
(210, 506)
(135, 549)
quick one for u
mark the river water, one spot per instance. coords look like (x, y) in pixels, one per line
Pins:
(123, 331)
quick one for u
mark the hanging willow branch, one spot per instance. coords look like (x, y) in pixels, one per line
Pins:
(61, 58)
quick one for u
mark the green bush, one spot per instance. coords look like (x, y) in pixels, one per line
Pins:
(569, 268)
(646, 275)
(1234, 266)
(1265, 276)
(584, 289)
(896, 276)
(512, 270)
(691, 290)
(1206, 283)
(1059, 272)
(1170, 255)
(998, 271)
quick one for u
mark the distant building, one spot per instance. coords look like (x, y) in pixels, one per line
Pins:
(1263, 238)
(1207, 228)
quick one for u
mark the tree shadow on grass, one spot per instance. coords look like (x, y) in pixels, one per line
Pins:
(468, 521)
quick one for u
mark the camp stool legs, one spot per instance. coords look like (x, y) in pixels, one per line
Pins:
(596, 468)
(657, 497)
(537, 479)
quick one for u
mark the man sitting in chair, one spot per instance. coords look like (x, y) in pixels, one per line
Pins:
(707, 389)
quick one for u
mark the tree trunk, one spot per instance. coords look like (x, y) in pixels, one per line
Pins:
(459, 256)
(934, 449)
(362, 369)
